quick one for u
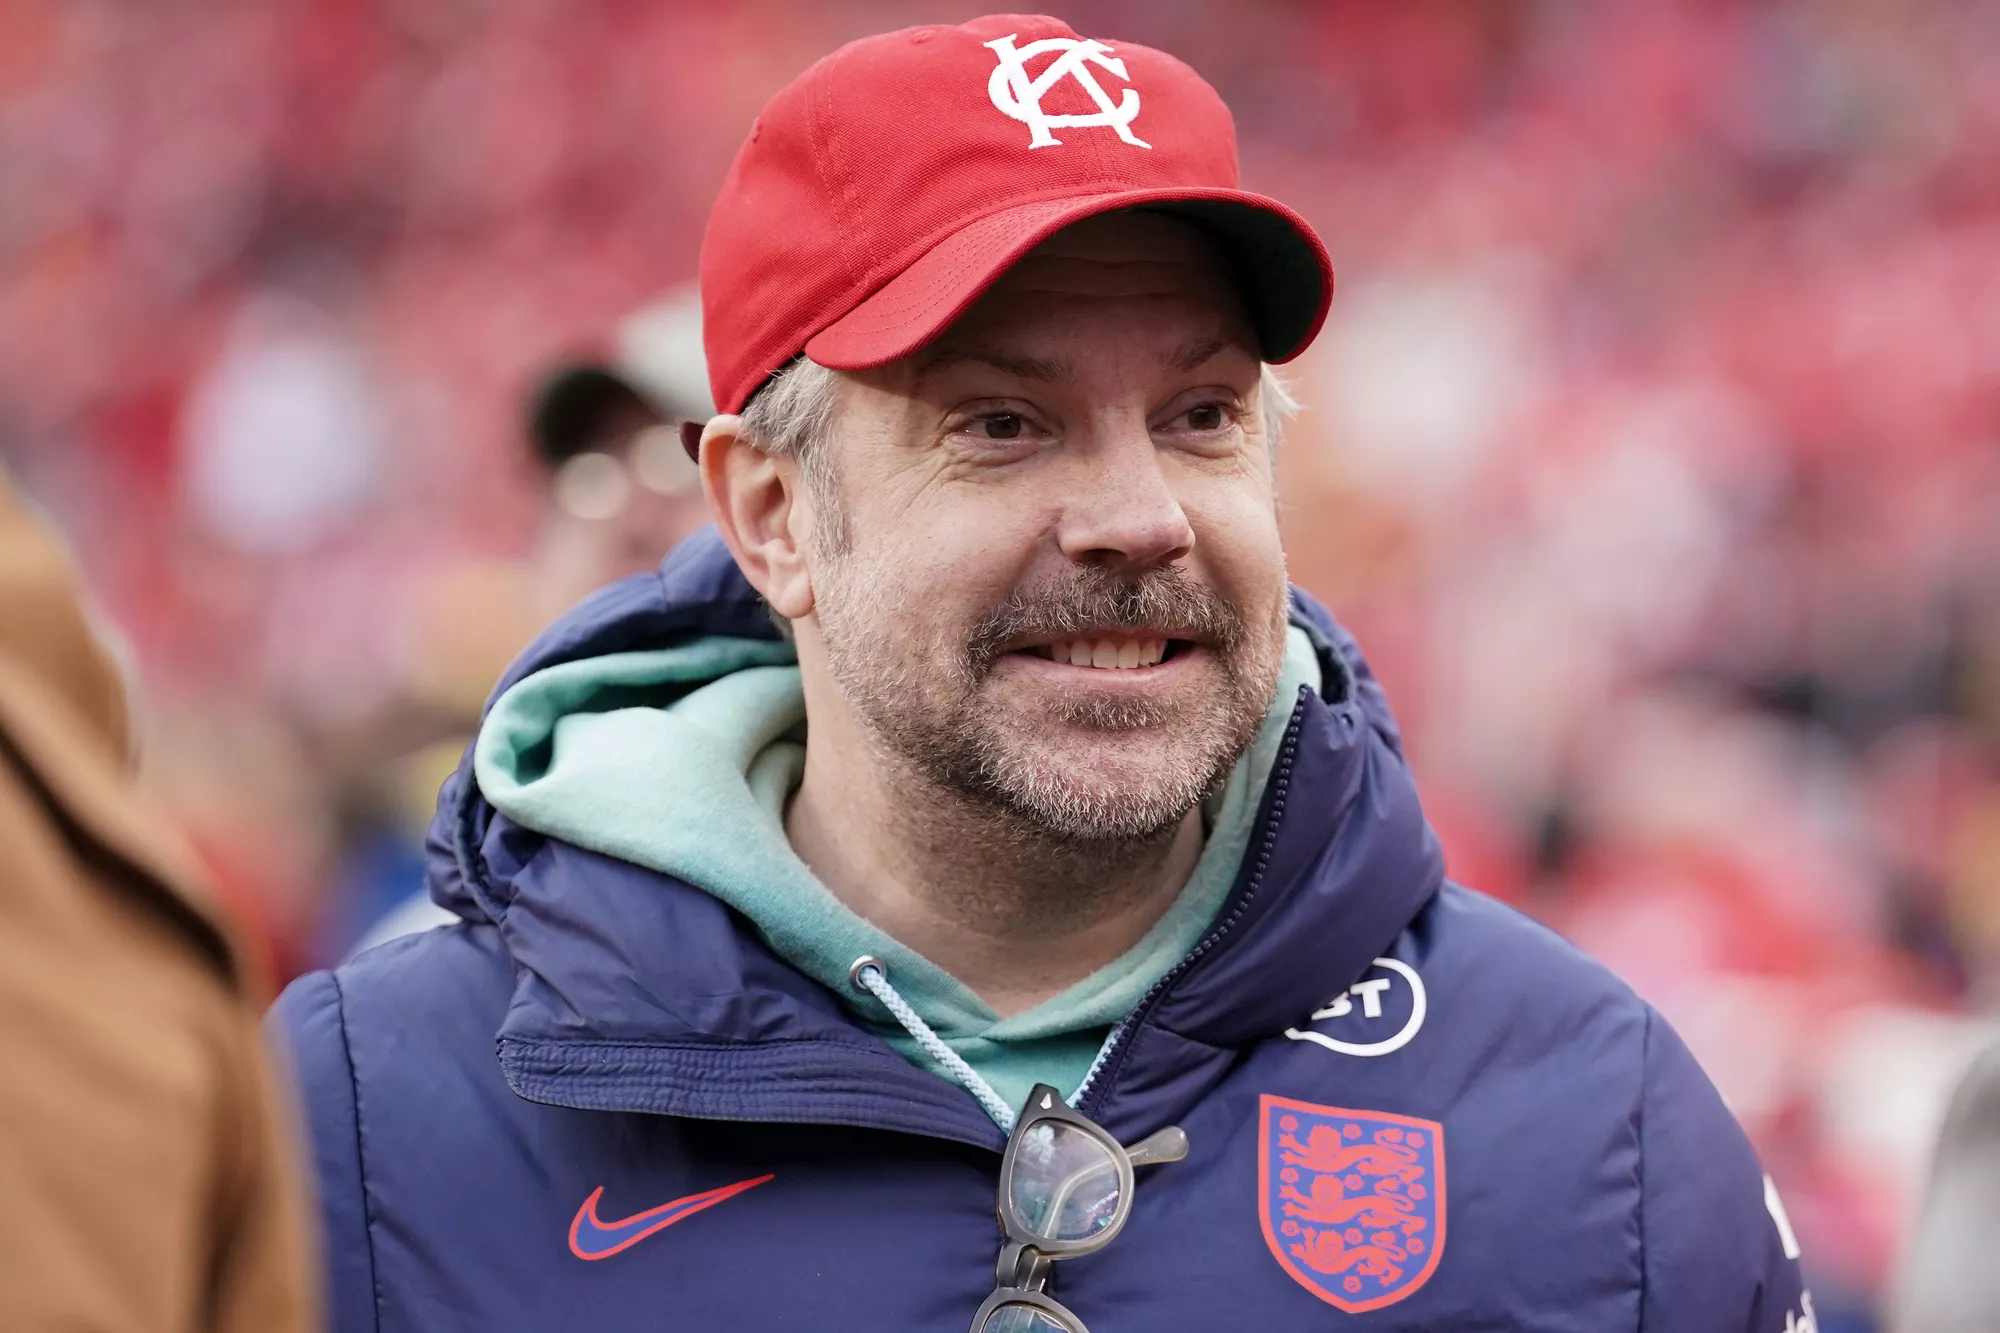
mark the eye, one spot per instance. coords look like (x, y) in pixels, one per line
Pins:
(1210, 417)
(998, 430)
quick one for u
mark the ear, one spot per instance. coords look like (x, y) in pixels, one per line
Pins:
(759, 506)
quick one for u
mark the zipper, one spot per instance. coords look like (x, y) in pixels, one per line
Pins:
(1090, 1095)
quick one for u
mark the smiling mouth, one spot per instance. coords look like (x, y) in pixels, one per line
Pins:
(1108, 654)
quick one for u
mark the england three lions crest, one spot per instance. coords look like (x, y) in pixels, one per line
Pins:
(1352, 1201)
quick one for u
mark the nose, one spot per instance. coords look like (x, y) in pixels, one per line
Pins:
(1120, 510)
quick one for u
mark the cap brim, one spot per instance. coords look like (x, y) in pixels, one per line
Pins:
(1278, 261)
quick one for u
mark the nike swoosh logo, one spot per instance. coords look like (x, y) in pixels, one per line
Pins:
(591, 1238)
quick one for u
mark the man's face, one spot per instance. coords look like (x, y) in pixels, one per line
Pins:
(1054, 582)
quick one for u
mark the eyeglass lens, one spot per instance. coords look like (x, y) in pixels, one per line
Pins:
(1064, 1186)
(1024, 1319)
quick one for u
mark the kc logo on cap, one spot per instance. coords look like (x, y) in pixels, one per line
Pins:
(1021, 97)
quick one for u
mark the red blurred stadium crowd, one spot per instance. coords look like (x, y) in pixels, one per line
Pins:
(1653, 449)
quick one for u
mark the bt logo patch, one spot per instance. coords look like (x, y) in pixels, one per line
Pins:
(1377, 1015)
(1020, 96)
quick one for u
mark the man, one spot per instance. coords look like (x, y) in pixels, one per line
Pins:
(1949, 1283)
(1047, 816)
(147, 1178)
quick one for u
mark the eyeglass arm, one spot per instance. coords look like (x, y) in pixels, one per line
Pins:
(1157, 1149)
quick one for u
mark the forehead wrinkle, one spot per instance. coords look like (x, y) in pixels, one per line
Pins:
(1190, 355)
(1044, 370)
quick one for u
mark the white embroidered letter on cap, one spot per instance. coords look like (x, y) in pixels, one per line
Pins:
(1021, 97)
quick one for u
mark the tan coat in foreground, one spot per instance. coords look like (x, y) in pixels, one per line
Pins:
(146, 1173)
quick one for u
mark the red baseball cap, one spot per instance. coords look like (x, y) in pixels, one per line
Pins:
(883, 190)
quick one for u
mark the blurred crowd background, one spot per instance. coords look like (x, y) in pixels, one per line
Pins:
(1652, 450)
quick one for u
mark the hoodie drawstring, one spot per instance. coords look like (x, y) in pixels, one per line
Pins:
(871, 975)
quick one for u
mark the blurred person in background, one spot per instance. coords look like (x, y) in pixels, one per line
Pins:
(618, 492)
(621, 489)
(782, 944)
(148, 1172)
(1950, 1280)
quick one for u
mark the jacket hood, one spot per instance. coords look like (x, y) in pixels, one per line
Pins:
(635, 991)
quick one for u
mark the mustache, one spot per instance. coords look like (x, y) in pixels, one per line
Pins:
(1087, 597)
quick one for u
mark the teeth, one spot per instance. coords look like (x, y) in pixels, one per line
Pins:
(1106, 654)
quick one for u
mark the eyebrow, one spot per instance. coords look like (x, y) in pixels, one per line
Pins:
(1190, 355)
(1042, 369)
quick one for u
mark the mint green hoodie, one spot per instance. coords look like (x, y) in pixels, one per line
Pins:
(682, 760)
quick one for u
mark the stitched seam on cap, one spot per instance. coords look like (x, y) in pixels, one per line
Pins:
(816, 133)
(842, 198)
(1102, 132)
(838, 200)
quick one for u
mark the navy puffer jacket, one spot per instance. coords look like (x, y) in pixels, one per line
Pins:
(600, 1102)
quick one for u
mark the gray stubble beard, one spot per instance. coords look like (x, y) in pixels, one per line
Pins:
(953, 746)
